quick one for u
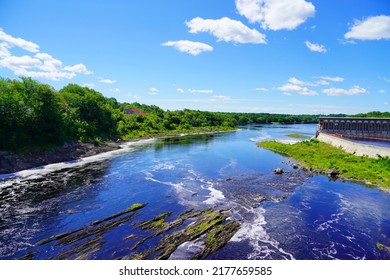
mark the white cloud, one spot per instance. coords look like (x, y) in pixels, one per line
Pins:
(220, 98)
(332, 79)
(18, 42)
(180, 90)
(226, 29)
(315, 47)
(41, 65)
(4, 52)
(133, 96)
(50, 64)
(385, 103)
(200, 90)
(115, 90)
(322, 83)
(19, 63)
(355, 90)
(262, 89)
(190, 47)
(382, 91)
(153, 91)
(290, 88)
(107, 81)
(78, 68)
(89, 85)
(371, 28)
(276, 14)
(295, 81)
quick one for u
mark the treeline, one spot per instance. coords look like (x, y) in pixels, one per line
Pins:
(374, 114)
(33, 114)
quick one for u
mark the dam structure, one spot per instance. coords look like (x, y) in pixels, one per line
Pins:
(341, 132)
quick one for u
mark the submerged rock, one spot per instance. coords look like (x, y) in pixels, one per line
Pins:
(278, 171)
(210, 222)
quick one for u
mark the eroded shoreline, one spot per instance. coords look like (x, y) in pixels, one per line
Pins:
(11, 162)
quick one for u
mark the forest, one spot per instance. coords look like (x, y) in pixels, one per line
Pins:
(34, 114)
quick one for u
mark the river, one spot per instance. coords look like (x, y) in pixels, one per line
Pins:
(289, 216)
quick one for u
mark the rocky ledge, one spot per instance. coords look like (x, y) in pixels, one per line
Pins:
(11, 162)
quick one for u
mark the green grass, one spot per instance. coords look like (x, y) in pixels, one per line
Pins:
(136, 206)
(322, 157)
(159, 223)
(297, 135)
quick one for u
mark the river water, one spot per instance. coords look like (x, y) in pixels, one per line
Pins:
(289, 216)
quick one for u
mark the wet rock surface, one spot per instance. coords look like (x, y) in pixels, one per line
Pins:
(82, 243)
(12, 162)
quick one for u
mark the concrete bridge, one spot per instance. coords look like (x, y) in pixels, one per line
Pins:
(356, 128)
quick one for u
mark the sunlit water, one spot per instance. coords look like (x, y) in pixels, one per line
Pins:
(289, 216)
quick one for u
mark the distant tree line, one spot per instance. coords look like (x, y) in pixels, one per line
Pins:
(374, 114)
(33, 114)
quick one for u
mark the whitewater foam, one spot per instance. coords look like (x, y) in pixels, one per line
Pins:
(41, 171)
(254, 232)
(263, 137)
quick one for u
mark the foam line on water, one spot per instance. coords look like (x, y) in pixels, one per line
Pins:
(254, 232)
(263, 137)
(41, 171)
(215, 196)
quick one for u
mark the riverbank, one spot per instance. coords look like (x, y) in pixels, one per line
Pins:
(11, 162)
(322, 157)
(355, 148)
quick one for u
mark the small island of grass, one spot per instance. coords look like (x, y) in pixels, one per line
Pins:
(322, 157)
(297, 135)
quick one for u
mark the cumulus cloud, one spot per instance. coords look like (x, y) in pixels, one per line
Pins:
(18, 42)
(226, 29)
(89, 85)
(371, 28)
(295, 81)
(332, 79)
(78, 68)
(315, 47)
(107, 81)
(290, 88)
(296, 85)
(153, 91)
(355, 90)
(4, 50)
(276, 14)
(180, 90)
(190, 47)
(40, 65)
(114, 90)
(382, 91)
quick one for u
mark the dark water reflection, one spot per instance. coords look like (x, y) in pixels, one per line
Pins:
(282, 217)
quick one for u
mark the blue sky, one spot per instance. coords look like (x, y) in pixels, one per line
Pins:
(275, 56)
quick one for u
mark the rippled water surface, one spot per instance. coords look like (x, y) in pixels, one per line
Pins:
(289, 216)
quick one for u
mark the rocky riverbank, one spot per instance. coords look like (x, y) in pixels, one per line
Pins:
(11, 162)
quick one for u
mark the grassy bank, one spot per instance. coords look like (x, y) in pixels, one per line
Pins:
(297, 135)
(321, 157)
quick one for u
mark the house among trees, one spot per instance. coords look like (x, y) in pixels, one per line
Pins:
(134, 111)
